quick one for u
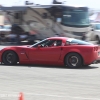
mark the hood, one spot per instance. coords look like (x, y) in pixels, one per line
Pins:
(8, 47)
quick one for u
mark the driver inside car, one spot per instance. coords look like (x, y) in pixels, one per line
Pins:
(57, 43)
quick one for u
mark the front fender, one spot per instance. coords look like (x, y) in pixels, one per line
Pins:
(19, 51)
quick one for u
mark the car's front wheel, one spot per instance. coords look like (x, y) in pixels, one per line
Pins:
(9, 58)
(73, 60)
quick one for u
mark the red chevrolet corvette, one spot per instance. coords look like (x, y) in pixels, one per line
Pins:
(70, 52)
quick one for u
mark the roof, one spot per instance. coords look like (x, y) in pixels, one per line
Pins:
(51, 5)
(14, 8)
(23, 8)
(95, 17)
(63, 38)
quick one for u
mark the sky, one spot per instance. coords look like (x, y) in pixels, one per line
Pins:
(89, 3)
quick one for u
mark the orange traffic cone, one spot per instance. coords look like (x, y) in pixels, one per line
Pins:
(21, 96)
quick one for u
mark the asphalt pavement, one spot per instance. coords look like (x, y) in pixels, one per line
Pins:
(49, 82)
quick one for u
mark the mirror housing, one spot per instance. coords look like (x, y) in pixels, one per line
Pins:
(39, 46)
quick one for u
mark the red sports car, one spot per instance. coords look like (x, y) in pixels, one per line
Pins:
(53, 51)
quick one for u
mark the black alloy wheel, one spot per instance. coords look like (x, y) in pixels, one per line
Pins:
(9, 58)
(73, 60)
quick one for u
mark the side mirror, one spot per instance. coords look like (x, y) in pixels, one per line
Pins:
(39, 46)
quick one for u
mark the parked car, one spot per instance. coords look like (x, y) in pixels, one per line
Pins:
(95, 33)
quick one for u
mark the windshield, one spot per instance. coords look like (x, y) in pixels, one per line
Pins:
(79, 42)
(75, 18)
(97, 26)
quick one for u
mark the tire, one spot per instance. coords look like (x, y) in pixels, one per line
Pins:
(86, 65)
(73, 60)
(9, 58)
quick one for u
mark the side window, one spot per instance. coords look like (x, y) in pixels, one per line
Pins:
(57, 43)
(45, 43)
(42, 43)
(49, 43)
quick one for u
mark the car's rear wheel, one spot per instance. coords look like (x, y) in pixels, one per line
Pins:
(9, 58)
(73, 60)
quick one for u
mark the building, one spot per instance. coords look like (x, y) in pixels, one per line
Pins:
(95, 17)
